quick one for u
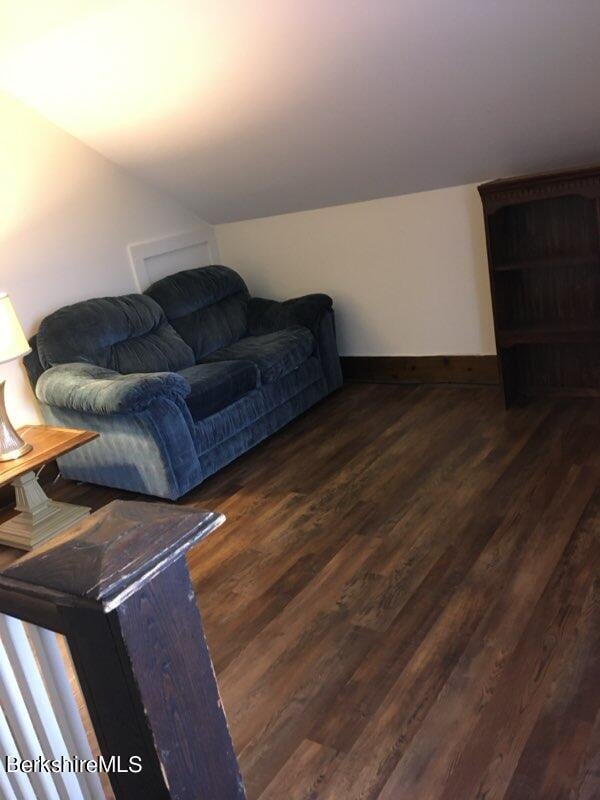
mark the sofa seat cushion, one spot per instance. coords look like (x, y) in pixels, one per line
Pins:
(215, 386)
(275, 354)
(258, 405)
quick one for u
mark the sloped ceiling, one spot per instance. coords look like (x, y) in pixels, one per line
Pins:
(246, 109)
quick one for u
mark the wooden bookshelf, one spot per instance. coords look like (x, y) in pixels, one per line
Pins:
(543, 243)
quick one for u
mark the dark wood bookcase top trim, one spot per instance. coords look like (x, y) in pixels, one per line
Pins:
(547, 176)
(561, 177)
(584, 181)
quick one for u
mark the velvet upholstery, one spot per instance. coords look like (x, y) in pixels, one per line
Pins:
(218, 428)
(32, 363)
(207, 306)
(95, 390)
(328, 353)
(313, 311)
(125, 334)
(180, 389)
(275, 354)
(215, 386)
(255, 432)
(266, 316)
(151, 451)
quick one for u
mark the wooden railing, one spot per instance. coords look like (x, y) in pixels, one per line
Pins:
(118, 590)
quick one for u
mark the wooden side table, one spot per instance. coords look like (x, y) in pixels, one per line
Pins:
(39, 517)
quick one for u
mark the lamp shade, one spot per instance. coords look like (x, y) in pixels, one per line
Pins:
(13, 342)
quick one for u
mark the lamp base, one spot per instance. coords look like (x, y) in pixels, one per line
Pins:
(11, 444)
(10, 455)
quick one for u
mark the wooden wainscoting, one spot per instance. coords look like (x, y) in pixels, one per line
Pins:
(482, 370)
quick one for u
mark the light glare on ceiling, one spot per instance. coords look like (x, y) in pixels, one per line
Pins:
(122, 64)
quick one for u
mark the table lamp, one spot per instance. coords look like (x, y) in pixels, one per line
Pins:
(13, 344)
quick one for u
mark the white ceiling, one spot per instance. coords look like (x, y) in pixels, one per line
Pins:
(245, 109)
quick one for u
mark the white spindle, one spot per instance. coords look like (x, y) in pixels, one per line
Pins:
(42, 715)
(19, 781)
(37, 701)
(22, 726)
(56, 678)
(6, 790)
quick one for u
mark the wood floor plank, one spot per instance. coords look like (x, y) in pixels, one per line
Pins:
(556, 749)
(337, 655)
(471, 533)
(586, 785)
(302, 774)
(486, 763)
(438, 746)
(391, 726)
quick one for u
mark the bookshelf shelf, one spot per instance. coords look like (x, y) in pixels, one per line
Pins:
(553, 262)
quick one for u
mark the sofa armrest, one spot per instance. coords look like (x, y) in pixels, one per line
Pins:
(90, 389)
(313, 311)
(266, 316)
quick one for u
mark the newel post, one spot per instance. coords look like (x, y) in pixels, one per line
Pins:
(118, 588)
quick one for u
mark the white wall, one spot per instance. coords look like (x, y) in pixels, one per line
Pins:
(66, 217)
(408, 274)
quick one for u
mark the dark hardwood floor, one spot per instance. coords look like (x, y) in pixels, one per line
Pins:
(404, 602)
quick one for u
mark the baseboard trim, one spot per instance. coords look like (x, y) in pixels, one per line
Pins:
(481, 370)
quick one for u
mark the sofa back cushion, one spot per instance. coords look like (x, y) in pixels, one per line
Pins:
(207, 306)
(126, 334)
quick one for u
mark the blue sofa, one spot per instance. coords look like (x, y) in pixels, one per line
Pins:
(182, 379)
